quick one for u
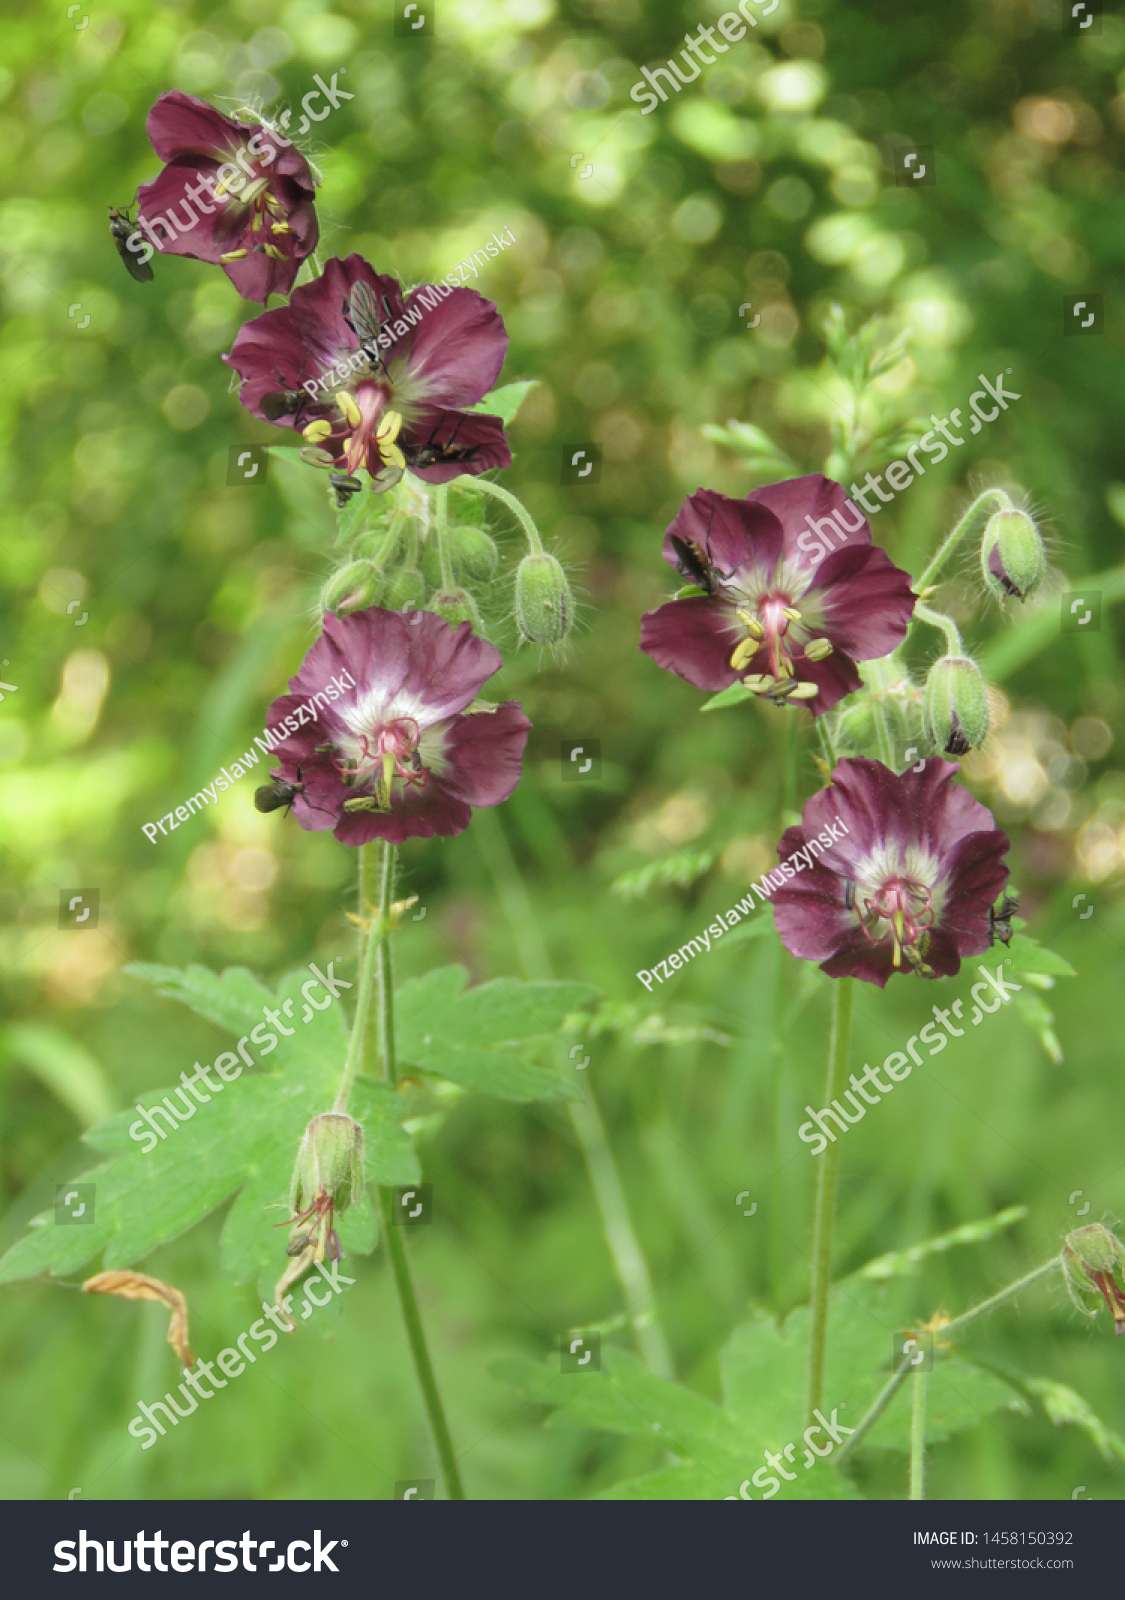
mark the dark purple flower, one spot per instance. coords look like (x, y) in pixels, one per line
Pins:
(395, 749)
(796, 594)
(231, 192)
(376, 380)
(899, 874)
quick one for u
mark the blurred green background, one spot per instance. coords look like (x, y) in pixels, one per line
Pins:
(151, 613)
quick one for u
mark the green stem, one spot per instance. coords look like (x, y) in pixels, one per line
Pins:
(620, 1236)
(938, 619)
(441, 520)
(918, 1436)
(416, 1334)
(827, 1179)
(999, 502)
(365, 1023)
(882, 733)
(484, 486)
(372, 1048)
(887, 1393)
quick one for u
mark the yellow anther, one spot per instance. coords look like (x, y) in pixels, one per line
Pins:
(253, 190)
(390, 426)
(758, 682)
(750, 622)
(804, 691)
(272, 251)
(817, 649)
(743, 653)
(316, 431)
(280, 227)
(233, 255)
(348, 406)
(794, 616)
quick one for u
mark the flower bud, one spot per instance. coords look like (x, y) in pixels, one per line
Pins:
(955, 706)
(473, 553)
(456, 605)
(352, 588)
(855, 727)
(1012, 557)
(1090, 1256)
(329, 1163)
(405, 591)
(544, 603)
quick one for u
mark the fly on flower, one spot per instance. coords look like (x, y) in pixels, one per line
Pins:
(389, 377)
(233, 193)
(403, 754)
(782, 610)
(900, 874)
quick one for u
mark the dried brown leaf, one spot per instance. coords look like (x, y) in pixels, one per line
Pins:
(135, 1286)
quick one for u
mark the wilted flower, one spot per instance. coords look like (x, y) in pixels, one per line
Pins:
(1091, 1256)
(376, 381)
(327, 1179)
(789, 594)
(900, 874)
(253, 190)
(403, 753)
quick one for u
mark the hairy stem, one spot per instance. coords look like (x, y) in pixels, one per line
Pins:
(827, 1179)
(887, 1393)
(620, 1236)
(441, 522)
(995, 500)
(918, 1436)
(374, 1029)
(938, 619)
(483, 486)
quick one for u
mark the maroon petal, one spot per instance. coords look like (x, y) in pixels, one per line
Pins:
(472, 431)
(732, 533)
(800, 503)
(694, 638)
(457, 349)
(180, 124)
(866, 602)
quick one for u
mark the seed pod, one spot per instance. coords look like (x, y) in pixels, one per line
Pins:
(353, 588)
(955, 706)
(329, 1162)
(544, 603)
(1013, 560)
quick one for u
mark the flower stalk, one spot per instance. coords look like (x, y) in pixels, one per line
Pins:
(826, 1184)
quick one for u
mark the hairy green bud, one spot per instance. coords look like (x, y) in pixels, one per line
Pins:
(955, 705)
(352, 588)
(405, 590)
(1012, 558)
(1090, 1257)
(856, 726)
(473, 553)
(456, 605)
(544, 603)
